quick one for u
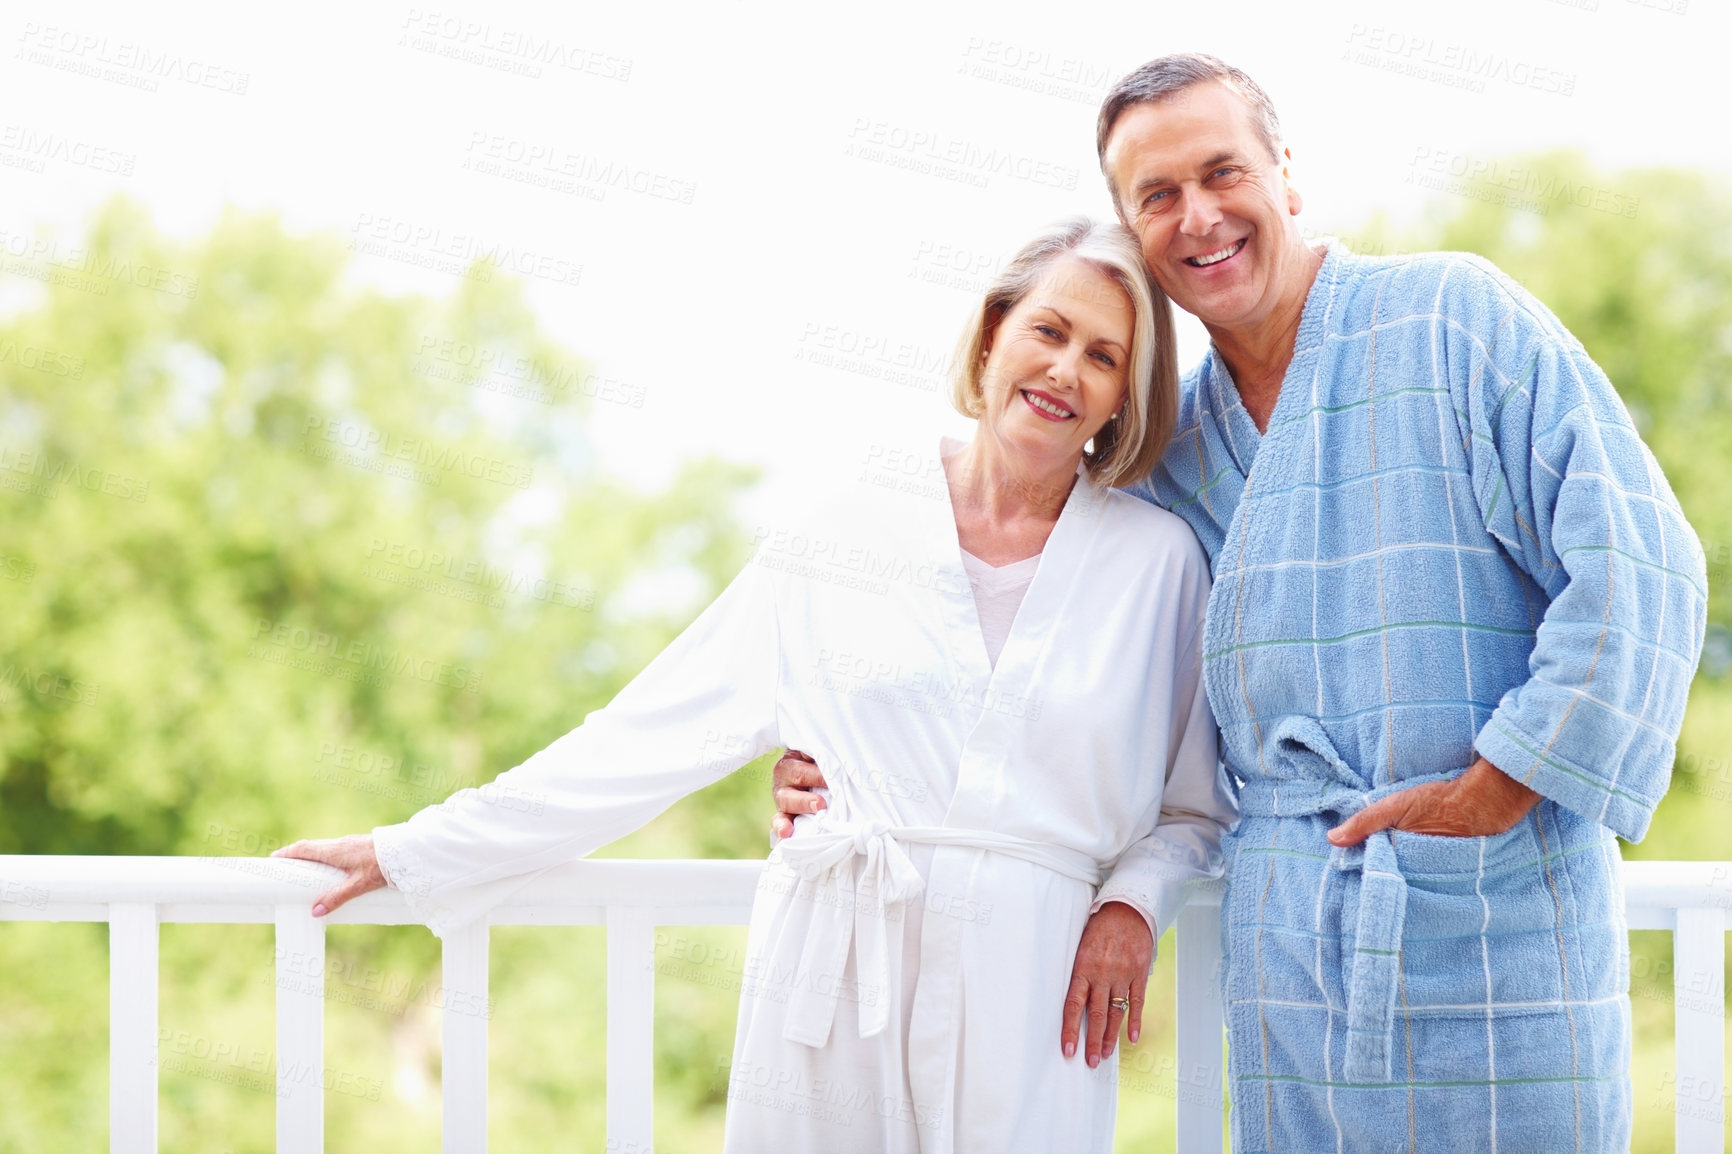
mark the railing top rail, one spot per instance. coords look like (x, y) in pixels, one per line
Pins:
(55, 880)
(66, 880)
(1678, 884)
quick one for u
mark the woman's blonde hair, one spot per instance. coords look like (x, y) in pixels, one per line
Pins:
(1125, 450)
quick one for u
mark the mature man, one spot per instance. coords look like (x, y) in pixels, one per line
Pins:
(1455, 617)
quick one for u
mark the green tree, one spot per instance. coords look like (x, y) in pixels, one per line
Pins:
(284, 556)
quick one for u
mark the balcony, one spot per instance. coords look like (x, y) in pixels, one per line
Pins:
(631, 898)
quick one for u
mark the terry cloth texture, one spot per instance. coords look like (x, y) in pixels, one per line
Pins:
(1450, 540)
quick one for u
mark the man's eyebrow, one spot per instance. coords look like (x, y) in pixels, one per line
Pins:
(1148, 182)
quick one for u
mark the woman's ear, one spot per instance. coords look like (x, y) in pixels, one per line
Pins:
(995, 315)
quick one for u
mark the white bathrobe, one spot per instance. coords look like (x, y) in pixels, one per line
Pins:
(911, 947)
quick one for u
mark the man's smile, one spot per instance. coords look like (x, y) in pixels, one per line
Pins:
(1219, 255)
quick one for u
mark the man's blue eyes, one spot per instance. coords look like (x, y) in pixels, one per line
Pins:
(1162, 194)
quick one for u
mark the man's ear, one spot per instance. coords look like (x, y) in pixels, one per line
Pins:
(1107, 159)
(1295, 202)
(1118, 203)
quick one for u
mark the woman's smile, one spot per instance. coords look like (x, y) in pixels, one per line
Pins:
(1046, 406)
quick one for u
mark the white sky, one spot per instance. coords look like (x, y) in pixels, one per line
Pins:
(339, 115)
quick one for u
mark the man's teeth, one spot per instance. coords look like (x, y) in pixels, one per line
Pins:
(1216, 256)
(1046, 406)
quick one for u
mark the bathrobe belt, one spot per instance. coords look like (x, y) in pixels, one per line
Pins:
(862, 880)
(1374, 975)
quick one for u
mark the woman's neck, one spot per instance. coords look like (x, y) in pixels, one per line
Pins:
(1005, 509)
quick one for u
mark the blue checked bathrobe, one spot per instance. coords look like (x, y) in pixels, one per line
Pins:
(1449, 540)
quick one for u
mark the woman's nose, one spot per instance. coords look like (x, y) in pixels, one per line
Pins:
(1065, 367)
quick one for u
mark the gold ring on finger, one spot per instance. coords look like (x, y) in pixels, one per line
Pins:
(1119, 1003)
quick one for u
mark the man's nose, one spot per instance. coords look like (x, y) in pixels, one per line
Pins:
(1201, 213)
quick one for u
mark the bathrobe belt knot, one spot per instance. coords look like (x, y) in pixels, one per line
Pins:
(861, 880)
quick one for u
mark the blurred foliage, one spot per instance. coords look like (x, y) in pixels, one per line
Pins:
(248, 443)
(223, 492)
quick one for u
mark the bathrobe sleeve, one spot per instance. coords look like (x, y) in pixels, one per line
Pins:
(1579, 504)
(1197, 802)
(705, 706)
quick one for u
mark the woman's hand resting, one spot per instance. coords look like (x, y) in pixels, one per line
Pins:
(353, 854)
(1112, 961)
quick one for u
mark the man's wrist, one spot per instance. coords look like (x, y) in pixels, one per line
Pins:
(1491, 777)
(1508, 798)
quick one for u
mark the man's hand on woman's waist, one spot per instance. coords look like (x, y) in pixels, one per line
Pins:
(791, 785)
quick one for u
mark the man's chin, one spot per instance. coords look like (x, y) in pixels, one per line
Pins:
(1223, 309)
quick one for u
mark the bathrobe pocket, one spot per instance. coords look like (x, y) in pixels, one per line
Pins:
(1482, 927)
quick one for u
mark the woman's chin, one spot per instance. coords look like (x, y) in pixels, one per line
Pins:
(1044, 442)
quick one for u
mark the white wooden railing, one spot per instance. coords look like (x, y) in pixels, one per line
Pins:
(631, 898)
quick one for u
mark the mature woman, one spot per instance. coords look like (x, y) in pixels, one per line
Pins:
(1011, 720)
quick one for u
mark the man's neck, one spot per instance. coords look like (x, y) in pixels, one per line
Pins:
(1257, 354)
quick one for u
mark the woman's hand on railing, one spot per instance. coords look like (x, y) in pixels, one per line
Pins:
(1109, 980)
(353, 854)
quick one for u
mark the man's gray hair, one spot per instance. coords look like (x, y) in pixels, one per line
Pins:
(1167, 76)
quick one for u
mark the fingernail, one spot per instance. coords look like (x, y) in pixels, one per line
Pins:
(318, 911)
(1134, 1035)
(1093, 1061)
(1070, 1049)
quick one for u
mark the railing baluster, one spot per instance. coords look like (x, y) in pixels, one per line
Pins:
(1200, 1027)
(631, 995)
(300, 1031)
(1699, 997)
(135, 895)
(464, 1040)
(132, 992)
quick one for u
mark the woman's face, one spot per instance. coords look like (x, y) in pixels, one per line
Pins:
(1058, 363)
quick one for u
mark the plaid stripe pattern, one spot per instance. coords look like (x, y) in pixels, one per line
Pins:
(1449, 540)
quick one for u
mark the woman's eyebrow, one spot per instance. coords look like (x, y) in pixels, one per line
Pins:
(1046, 308)
(1043, 307)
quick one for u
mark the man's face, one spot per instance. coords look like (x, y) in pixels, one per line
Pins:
(1196, 184)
